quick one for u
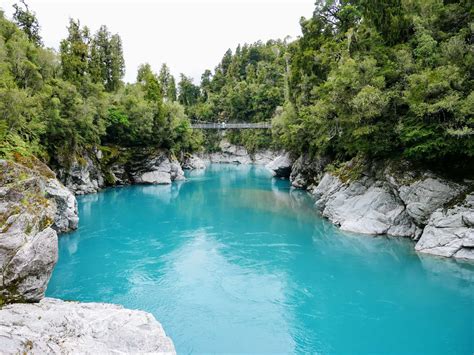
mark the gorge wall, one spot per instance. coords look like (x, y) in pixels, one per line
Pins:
(390, 198)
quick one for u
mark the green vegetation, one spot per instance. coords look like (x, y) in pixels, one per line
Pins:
(55, 106)
(382, 79)
(368, 78)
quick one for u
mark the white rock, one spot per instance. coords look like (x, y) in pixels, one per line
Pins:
(194, 162)
(281, 165)
(449, 233)
(155, 177)
(66, 217)
(56, 327)
(363, 206)
(164, 173)
(426, 195)
(264, 157)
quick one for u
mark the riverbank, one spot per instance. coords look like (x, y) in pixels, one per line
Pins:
(390, 198)
(378, 198)
(34, 208)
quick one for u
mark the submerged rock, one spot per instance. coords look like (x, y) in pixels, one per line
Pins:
(450, 232)
(33, 206)
(56, 327)
(281, 166)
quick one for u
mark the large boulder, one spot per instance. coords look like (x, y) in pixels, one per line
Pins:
(364, 206)
(281, 166)
(154, 168)
(264, 157)
(450, 232)
(28, 244)
(427, 194)
(56, 327)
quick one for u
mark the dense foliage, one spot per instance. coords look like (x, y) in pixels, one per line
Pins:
(58, 104)
(383, 79)
(390, 78)
(371, 78)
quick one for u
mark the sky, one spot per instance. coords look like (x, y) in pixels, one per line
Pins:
(189, 35)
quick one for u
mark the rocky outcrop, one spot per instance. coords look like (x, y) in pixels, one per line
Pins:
(264, 157)
(65, 218)
(424, 196)
(281, 166)
(450, 231)
(155, 168)
(364, 206)
(234, 154)
(194, 162)
(229, 154)
(307, 172)
(113, 166)
(57, 327)
(33, 206)
(82, 174)
(394, 199)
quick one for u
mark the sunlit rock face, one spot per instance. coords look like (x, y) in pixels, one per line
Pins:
(194, 162)
(53, 326)
(231, 154)
(33, 207)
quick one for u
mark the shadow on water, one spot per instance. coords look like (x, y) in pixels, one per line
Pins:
(234, 261)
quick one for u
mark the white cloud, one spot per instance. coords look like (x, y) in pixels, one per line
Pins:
(190, 36)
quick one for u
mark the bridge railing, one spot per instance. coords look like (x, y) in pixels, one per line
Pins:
(225, 125)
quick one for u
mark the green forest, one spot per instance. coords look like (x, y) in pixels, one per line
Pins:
(371, 78)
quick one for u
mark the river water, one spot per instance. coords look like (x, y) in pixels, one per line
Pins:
(232, 260)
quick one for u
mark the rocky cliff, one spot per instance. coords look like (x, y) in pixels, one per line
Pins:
(34, 207)
(111, 166)
(394, 199)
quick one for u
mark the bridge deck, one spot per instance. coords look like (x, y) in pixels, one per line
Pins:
(263, 125)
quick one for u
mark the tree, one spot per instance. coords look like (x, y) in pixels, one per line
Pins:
(27, 21)
(106, 63)
(74, 52)
(188, 92)
(167, 82)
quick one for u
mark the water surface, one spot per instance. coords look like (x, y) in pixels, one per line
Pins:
(234, 261)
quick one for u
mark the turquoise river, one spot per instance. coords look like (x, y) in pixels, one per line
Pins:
(233, 261)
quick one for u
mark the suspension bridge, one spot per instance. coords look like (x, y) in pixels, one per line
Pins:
(230, 125)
